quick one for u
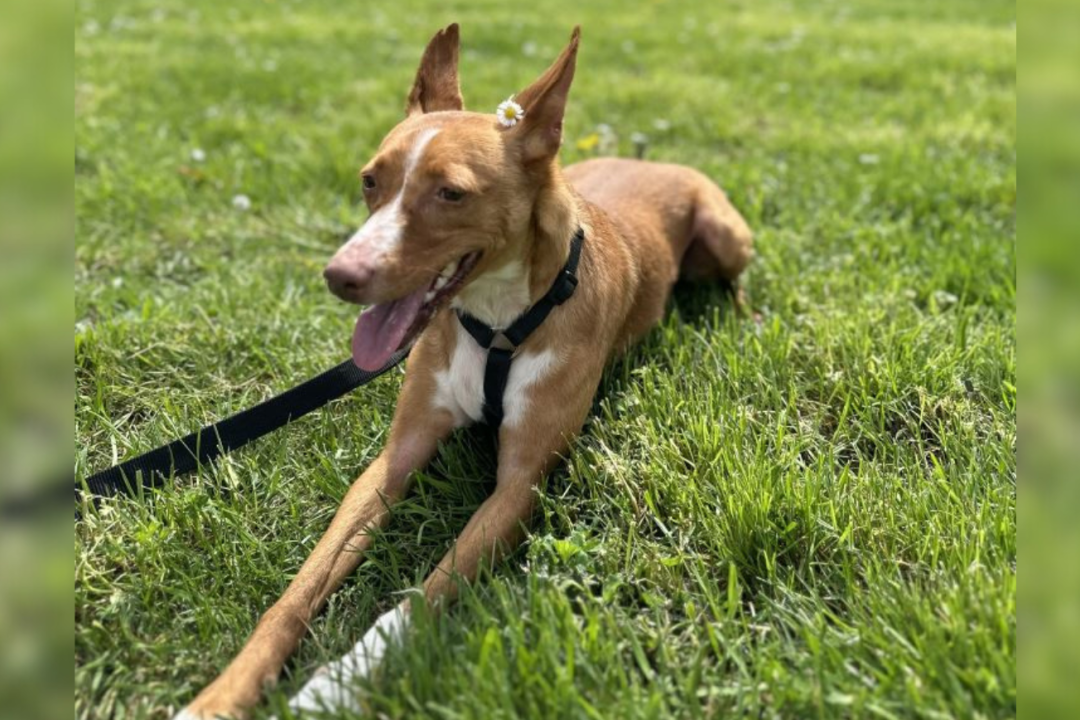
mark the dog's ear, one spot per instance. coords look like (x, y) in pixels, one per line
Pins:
(544, 103)
(436, 86)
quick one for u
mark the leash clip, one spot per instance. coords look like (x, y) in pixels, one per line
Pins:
(564, 288)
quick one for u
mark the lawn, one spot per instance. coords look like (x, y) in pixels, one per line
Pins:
(813, 515)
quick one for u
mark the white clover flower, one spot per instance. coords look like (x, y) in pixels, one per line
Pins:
(609, 141)
(241, 202)
(509, 112)
(198, 155)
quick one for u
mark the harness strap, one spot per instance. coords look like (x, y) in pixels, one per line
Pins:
(497, 367)
(496, 373)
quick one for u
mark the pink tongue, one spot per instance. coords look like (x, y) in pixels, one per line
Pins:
(381, 329)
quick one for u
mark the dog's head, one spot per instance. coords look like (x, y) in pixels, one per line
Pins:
(448, 191)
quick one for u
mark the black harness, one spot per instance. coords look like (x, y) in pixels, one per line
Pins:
(497, 369)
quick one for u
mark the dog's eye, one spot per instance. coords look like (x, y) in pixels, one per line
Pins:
(369, 182)
(450, 194)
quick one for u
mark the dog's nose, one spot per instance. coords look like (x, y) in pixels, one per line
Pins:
(347, 280)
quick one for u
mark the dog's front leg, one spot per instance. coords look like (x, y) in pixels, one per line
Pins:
(527, 453)
(414, 438)
(530, 445)
(497, 526)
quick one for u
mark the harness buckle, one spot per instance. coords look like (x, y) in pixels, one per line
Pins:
(564, 287)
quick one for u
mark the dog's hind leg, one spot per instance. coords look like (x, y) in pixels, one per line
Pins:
(721, 244)
(414, 437)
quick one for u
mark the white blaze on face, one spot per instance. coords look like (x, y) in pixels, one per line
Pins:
(382, 231)
(333, 688)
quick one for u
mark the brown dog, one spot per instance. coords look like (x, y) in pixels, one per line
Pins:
(472, 211)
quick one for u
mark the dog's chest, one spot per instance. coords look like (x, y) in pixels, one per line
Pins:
(459, 387)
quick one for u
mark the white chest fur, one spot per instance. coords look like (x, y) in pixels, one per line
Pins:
(460, 387)
(498, 296)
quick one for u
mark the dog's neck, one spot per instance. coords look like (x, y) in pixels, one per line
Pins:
(531, 260)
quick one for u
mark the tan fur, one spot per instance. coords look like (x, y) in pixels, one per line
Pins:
(643, 222)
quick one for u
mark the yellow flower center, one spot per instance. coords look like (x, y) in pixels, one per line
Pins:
(509, 113)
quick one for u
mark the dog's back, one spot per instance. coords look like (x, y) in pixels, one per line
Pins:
(675, 220)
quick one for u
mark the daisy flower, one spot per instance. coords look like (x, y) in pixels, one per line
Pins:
(509, 112)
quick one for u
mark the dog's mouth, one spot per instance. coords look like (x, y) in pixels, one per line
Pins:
(385, 328)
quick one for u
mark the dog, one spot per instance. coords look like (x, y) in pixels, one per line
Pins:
(515, 282)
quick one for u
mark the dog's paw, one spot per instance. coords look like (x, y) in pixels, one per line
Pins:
(189, 714)
(212, 705)
(333, 687)
(326, 692)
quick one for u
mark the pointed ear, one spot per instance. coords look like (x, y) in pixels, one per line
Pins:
(436, 86)
(544, 103)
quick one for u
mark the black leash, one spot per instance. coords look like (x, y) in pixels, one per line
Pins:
(497, 368)
(151, 469)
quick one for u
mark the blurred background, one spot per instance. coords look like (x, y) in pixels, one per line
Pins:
(1049, 332)
(36, 388)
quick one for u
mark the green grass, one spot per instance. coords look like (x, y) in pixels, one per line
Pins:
(814, 516)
